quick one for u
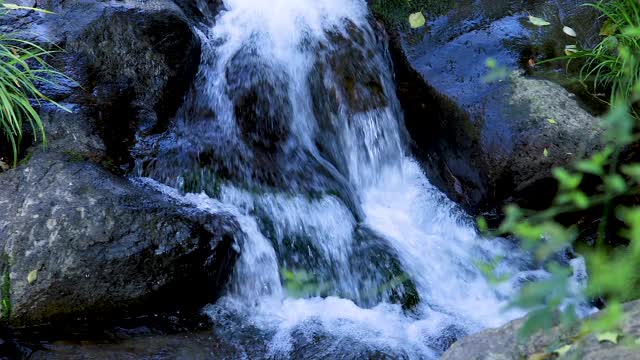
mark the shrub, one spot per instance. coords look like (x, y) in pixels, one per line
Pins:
(607, 183)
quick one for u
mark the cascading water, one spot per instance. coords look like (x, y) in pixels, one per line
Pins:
(294, 128)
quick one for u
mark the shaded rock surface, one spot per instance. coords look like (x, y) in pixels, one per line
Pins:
(102, 246)
(132, 63)
(483, 142)
(504, 343)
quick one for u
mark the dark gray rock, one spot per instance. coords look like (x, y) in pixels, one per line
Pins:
(482, 142)
(103, 246)
(504, 343)
(132, 62)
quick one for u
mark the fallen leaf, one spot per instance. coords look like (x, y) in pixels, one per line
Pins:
(531, 63)
(570, 50)
(552, 121)
(563, 350)
(19, 7)
(608, 336)
(608, 28)
(417, 20)
(538, 21)
(569, 31)
(32, 276)
(546, 152)
(4, 166)
(538, 356)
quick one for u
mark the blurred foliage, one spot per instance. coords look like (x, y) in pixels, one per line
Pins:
(607, 183)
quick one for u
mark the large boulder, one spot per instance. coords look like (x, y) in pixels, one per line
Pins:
(505, 343)
(96, 244)
(79, 242)
(132, 62)
(483, 142)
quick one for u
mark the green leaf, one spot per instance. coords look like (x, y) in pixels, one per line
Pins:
(417, 20)
(609, 336)
(632, 171)
(552, 121)
(32, 276)
(581, 200)
(546, 152)
(483, 226)
(538, 21)
(537, 320)
(590, 167)
(566, 179)
(615, 183)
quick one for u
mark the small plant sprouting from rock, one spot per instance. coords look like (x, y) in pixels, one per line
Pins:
(22, 68)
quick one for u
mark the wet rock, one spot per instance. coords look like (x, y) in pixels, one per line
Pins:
(484, 142)
(505, 343)
(79, 242)
(261, 102)
(193, 346)
(377, 266)
(133, 63)
(344, 85)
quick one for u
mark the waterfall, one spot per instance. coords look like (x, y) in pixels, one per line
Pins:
(294, 128)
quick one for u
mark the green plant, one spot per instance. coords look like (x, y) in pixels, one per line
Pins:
(614, 62)
(607, 183)
(22, 68)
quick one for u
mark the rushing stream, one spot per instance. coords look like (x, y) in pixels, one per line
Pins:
(294, 128)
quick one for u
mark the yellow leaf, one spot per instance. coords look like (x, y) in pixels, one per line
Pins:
(552, 121)
(570, 50)
(538, 21)
(546, 152)
(563, 350)
(608, 28)
(32, 277)
(608, 336)
(538, 356)
(417, 20)
(19, 7)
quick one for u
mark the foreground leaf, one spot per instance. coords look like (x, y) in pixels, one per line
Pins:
(417, 20)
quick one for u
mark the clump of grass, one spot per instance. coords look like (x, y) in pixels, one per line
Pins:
(613, 63)
(22, 67)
